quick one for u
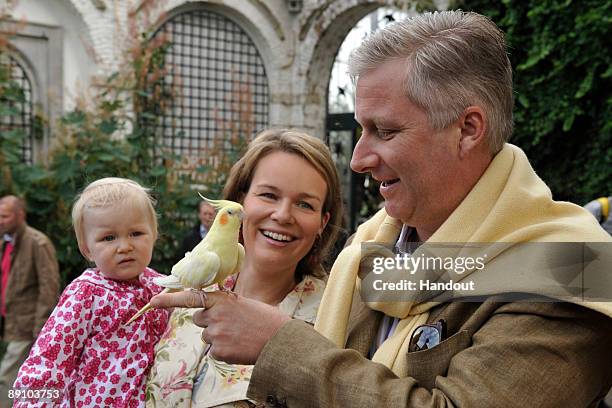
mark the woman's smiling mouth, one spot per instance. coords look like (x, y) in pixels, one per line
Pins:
(277, 236)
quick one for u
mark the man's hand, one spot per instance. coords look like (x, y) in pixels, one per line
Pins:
(237, 328)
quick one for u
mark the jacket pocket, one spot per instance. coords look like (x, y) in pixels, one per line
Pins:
(424, 366)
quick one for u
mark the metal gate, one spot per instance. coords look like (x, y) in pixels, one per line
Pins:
(360, 191)
(20, 117)
(221, 89)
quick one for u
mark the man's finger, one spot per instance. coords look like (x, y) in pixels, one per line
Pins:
(187, 298)
(199, 318)
(212, 298)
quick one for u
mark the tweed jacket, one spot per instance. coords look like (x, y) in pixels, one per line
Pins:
(496, 355)
(33, 285)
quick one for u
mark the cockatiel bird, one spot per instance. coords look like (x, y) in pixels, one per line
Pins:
(216, 257)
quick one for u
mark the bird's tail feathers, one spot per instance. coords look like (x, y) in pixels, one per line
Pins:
(170, 281)
(145, 309)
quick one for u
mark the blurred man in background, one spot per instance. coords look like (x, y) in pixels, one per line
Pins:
(30, 286)
(206, 214)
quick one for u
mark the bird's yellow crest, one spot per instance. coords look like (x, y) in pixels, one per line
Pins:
(228, 212)
(218, 204)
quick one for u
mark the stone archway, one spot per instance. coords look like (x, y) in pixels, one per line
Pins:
(341, 132)
(322, 61)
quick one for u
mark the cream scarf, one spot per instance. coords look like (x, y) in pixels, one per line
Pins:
(509, 204)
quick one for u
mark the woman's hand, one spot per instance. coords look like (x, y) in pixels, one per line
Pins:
(237, 328)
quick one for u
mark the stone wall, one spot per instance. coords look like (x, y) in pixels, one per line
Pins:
(298, 49)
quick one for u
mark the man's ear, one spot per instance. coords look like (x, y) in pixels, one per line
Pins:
(21, 216)
(473, 125)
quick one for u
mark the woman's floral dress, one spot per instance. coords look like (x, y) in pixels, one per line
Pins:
(183, 376)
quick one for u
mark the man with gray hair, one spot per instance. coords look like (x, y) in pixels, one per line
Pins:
(434, 99)
(29, 288)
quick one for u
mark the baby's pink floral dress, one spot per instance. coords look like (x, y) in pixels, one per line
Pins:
(87, 352)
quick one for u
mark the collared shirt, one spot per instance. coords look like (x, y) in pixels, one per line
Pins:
(5, 266)
(203, 231)
(406, 243)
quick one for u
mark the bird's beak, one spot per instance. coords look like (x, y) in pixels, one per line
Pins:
(241, 215)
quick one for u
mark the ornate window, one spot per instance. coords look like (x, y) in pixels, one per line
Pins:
(19, 115)
(219, 87)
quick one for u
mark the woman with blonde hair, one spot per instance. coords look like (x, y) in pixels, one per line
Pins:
(289, 187)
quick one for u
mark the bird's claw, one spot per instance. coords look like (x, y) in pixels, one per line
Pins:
(229, 292)
(202, 295)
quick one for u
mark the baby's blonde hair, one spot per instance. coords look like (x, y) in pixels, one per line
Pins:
(110, 191)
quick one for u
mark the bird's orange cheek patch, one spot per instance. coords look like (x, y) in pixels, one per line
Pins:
(224, 219)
